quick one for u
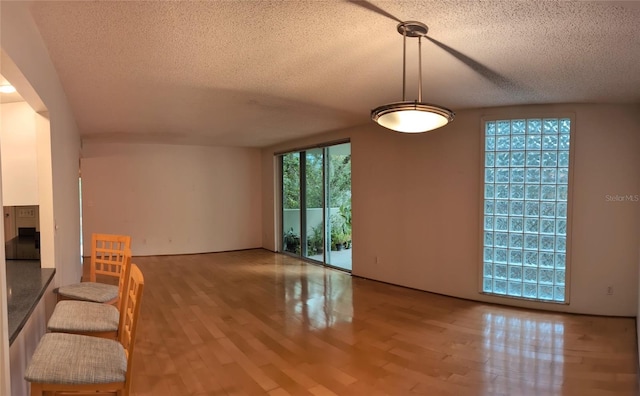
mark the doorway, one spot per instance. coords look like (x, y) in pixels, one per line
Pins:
(316, 204)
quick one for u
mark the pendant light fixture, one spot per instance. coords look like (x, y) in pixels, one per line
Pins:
(412, 116)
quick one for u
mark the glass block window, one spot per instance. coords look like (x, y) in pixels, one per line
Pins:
(526, 183)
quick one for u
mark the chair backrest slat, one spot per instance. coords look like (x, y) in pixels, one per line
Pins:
(131, 310)
(108, 254)
(123, 282)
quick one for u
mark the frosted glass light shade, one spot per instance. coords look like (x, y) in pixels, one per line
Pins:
(411, 117)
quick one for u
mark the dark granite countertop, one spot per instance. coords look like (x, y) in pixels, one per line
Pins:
(26, 283)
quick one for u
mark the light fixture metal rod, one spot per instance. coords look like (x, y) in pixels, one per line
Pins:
(420, 69)
(404, 63)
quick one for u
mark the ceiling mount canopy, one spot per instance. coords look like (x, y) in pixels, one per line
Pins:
(412, 116)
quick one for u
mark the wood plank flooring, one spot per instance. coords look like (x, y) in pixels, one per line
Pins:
(259, 323)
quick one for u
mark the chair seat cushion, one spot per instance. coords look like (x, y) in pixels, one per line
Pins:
(72, 359)
(90, 291)
(82, 316)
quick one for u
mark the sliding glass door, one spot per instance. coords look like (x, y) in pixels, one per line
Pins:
(313, 220)
(316, 204)
(291, 203)
(338, 209)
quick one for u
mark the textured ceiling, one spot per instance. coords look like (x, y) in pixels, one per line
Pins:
(254, 73)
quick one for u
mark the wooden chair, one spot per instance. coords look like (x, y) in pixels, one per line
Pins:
(79, 364)
(90, 318)
(107, 257)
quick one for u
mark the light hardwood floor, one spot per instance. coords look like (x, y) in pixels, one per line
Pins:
(259, 323)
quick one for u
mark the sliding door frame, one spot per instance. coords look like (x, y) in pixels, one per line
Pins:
(302, 162)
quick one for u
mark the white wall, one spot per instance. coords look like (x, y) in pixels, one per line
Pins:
(19, 159)
(48, 250)
(27, 170)
(26, 64)
(172, 199)
(416, 206)
(28, 67)
(313, 217)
